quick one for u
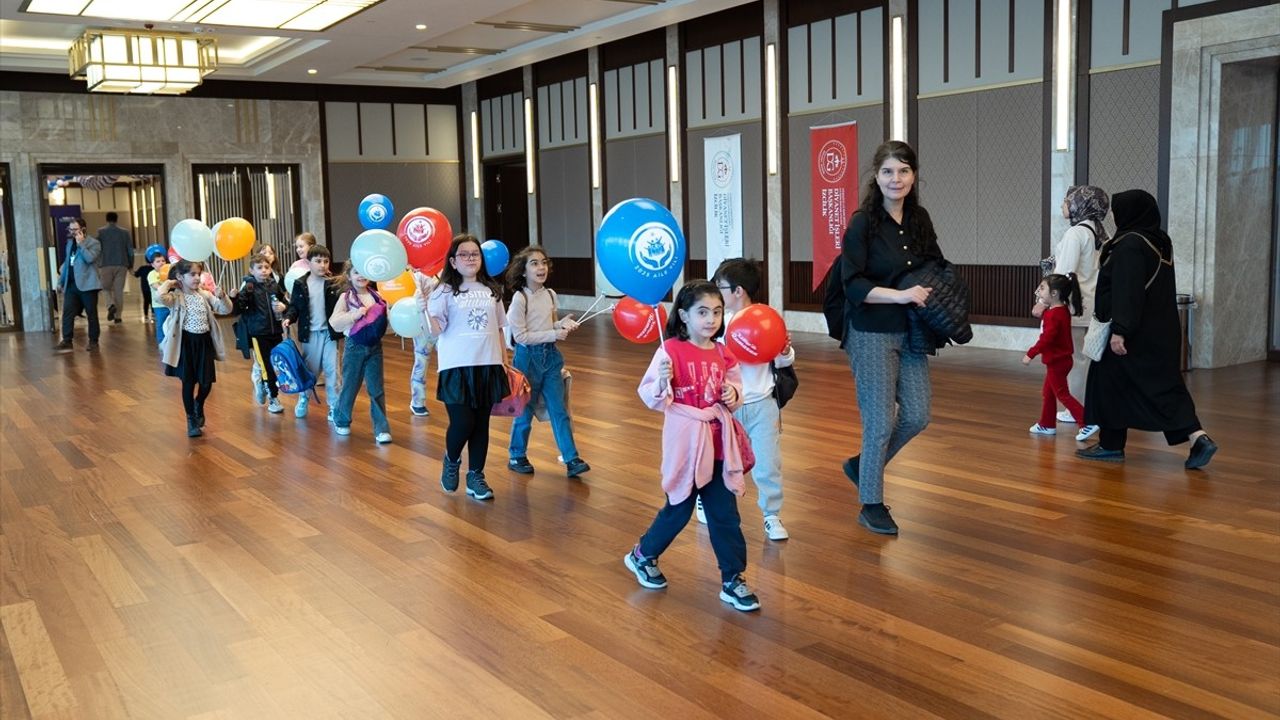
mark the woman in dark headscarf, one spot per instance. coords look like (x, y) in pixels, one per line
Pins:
(1137, 383)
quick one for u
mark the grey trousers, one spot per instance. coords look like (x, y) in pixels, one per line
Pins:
(893, 399)
(113, 277)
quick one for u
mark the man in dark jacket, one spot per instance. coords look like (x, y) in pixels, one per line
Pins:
(310, 306)
(261, 303)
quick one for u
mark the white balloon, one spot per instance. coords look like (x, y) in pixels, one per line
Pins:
(192, 240)
(406, 319)
(294, 274)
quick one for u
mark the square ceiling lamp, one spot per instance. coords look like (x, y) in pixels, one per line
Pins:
(142, 62)
(307, 15)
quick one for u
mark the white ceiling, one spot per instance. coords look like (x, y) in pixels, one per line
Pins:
(379, 46)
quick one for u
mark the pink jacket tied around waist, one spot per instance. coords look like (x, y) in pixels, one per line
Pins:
(688, 450)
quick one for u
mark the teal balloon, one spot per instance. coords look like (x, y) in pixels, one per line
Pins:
(641, 249)
(406, 318)
(496, 257)
(378, 255)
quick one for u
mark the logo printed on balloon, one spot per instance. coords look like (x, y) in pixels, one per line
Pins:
(419, 230)
(653, 248)
(377, 213)
(743, 339)
(378, 266)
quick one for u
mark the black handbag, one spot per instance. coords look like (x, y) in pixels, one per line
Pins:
(785, 383)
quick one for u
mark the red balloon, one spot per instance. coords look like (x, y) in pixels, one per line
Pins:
(425, 233)
(756, 334)
(635, 320)
(174, 256)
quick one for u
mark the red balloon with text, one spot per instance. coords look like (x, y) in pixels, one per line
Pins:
(636, 321)
(425, 233)
(756, 334)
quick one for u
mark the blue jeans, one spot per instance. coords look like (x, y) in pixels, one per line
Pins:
(362, 361)
(162, 313)
(542, 365)
(723, 524)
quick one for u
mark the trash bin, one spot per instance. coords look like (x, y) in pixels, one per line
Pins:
(1185, 305)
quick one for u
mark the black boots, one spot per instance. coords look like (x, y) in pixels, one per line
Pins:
(193, 427)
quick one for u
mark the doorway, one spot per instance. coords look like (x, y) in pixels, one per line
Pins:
(506, 204)
(133, 193)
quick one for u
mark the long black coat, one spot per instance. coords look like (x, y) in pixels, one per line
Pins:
(1143, 389)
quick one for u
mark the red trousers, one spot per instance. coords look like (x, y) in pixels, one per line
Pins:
(1055, 391)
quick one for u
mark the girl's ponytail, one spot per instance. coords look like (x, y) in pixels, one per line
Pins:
(1076, 301)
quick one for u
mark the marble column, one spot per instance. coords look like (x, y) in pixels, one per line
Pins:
(470, 146)
(773, 185)
(531, 156)
(675, 196)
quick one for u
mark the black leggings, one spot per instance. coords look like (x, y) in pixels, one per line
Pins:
(467, 426)
(191, 399)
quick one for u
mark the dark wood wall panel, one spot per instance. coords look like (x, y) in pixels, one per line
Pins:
(575, 276)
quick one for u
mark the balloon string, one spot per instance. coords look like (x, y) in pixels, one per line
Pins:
(591, 307)
(596, 314)
(657, 316)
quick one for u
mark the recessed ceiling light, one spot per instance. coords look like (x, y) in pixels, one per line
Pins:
(420, 26)
(312, 71)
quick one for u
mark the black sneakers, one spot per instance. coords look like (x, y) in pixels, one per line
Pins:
(521, 465)
(449, 473)
(193, 428)
(851, 469)
(1201, 452)
(477, 487)
(645, 569)
(736, 593)
(576, 467)
(877, 519)
(1097, 452)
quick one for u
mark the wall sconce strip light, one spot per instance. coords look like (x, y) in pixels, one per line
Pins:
(897, 80)
(475, 155)
(529, 153)
(593, 120)
(673, 121)
(771, 107)
(1062, 78)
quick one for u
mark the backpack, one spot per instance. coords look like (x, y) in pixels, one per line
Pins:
(833, 301)
(292, 374)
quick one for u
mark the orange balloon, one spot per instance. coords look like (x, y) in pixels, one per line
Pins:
(163, 272)
(234, 239)
(397, 288)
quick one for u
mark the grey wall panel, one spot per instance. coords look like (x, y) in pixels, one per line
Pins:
(409, 185)
(713, 73)
(1145, 27)
(1124, 129)
(833, 82)
(821, 57)
(564, 181)
(342, 126)
(965, 28)
(948, 155)
(722, 83)
(980, 173)
(1008, 175)
(502, 125)
(410, 130)
(636, 167)
(375, 129)
(562, 113)
(870, 121)
(753, 228)
(364, 135)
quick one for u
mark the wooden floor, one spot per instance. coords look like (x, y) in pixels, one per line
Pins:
(273, 569)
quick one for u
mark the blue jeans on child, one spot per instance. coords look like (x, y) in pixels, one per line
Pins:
(723, 524)
(423, 344)
(162, 313)
(542, 365)
(362, 361)
(763, 423)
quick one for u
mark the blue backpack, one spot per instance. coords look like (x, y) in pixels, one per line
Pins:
(292, 374)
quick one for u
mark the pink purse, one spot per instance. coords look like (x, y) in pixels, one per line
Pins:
(513, 405)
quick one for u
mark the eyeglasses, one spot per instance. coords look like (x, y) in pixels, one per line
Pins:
(467, 256)
(726, 288)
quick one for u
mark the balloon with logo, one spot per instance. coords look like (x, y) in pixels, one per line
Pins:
(191, 240)
(426, 234)
(378, 255)
(174, 256)
(756, 334)
(397, 288)
(294, 275)
(376, 212)
(207, 282)
(233, 239)
(637, 321)
(496, 257)
(405, 318)
(641, 249)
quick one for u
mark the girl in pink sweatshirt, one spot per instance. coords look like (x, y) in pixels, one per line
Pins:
(697, 385)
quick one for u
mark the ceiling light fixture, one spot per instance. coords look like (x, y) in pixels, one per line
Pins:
(528, 26)
(308, 15)
(312, 71)
(419, 26)
(142, 61)
(454, 50)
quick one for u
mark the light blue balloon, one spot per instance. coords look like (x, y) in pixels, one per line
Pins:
(378, 255)
(376, 212)
(192, 240)
(641, 249)
(406, 318)
(496, 256)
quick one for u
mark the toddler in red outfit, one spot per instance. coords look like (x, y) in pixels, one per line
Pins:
(1055, 348)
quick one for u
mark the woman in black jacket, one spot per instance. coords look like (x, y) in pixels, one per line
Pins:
(889, 236)
(1137, 383)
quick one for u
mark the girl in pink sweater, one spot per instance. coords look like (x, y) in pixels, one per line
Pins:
(697, 385)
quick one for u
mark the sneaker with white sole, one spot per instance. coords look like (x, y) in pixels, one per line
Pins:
(419, 410)
(1065, 416)
(645, 569)
(1086, 432)
(274, 406)
(1039, 429)
(300, 410)
(773, 528)
(477, 487)
(736, 593)
(342, 430)
(330, 418)
(382, 438)
(697, 510)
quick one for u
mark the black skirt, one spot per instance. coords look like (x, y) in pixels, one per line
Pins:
(476, 386)
(195, 359)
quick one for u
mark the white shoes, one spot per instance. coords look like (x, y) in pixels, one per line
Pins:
(1086, 432)
(697, 510)
(773, 528)
(300, 411)
(1039, 429)
(383, 438)
(275, 407)
(1064, 416)
(341, 430)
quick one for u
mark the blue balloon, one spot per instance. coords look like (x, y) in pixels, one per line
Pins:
(496, 257)
(152, 251)
(376, 212)
(641, 249)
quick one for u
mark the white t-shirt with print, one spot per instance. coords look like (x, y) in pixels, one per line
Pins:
(471, 325)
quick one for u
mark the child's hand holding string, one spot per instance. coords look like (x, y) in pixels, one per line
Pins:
(664, 374)
(728, 393)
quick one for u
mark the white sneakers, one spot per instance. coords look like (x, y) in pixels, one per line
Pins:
(275, 407)
(300, 410)
(1039, 429)
(1086, 432)
(383, 438)
(697, 510)
(773, 528)
(1064, 416)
